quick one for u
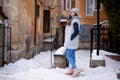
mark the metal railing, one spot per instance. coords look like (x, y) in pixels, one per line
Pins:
(59, 36)
(104, 39)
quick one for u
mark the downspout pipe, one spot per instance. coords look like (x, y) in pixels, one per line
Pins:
(5, 50)
(60, 12)
(35, 27)
(5, 38)
(5, 26)
(35, 24)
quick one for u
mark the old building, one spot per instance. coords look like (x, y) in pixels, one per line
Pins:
(32, 22)
(87, 13)
(24, 18)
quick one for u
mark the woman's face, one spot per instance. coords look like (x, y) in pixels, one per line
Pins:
(72, 14)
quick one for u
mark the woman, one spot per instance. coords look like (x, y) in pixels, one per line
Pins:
(72, 40)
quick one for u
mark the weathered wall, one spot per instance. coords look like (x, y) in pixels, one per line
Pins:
(54, 14)
(21, 19)
(26, 15)
(10, 8)
(39, 24)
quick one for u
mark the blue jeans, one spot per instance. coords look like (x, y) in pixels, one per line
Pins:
(71, 57)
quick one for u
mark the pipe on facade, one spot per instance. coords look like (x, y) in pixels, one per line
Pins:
(35, 27)
(4, 34)
(60, 11)
(4, 56)
(3, 48)
(5, 38)
(35, 24)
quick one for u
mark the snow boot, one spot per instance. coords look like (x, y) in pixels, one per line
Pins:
(76, 73)
(70, 72)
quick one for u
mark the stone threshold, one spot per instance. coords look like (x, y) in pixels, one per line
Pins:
(114, 57)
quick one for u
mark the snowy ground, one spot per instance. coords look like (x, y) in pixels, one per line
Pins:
(38, 68)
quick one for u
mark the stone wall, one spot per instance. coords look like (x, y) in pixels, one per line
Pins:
(21, 19)
(54, 15)
(60, 61)
(18, 54)
(39, 34)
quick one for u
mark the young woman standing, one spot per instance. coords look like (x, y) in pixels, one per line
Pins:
(72, 40)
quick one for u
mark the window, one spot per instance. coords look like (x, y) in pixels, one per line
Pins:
(46, 21)
(0, 3)
(95, 5)
(68, 4)
(91, 6)
(37, 10)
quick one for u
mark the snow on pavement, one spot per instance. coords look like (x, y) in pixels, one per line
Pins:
(38, 68)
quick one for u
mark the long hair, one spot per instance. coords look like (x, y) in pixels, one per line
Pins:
(69, 20)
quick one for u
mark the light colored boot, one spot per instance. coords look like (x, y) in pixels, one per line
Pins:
(75, 73)
(70, 72)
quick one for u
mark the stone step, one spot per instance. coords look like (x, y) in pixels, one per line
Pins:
(118, 75)
(115, 57)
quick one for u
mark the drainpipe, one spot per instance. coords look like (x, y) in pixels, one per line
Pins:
(59, 11)
(5, 25)
(35, 27)
(35, 24)
(98, 26)
(5, 39)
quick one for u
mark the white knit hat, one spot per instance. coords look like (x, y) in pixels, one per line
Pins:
(75, 10)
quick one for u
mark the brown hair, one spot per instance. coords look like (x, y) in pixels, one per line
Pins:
(69, 20)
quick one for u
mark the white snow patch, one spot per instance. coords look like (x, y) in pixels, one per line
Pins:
(60, 51)
(49, 39)
(38, 68)
(97, 57)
